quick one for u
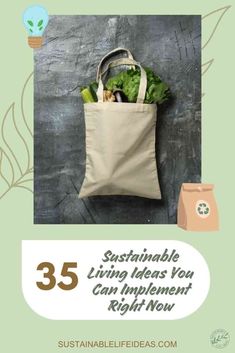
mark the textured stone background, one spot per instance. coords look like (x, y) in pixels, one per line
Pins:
(72, 49)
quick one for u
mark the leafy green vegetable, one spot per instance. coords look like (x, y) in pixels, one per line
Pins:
(128, 82)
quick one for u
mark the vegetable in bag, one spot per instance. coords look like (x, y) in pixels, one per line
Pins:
(128, 82)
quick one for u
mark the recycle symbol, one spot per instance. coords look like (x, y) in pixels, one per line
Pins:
(202, 209)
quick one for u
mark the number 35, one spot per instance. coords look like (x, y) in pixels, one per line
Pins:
(49, 270)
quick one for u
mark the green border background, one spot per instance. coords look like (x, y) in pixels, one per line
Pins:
(22, 329)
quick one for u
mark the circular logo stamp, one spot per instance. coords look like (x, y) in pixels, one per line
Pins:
(219, 338)
(202, 208)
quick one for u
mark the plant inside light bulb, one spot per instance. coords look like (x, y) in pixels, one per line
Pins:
(35, 20)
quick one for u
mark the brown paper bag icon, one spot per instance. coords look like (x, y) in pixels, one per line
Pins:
(197, 210)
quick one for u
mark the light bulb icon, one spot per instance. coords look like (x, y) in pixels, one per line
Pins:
(35, 20)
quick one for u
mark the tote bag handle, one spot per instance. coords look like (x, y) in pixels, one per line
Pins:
(111, 53)
(124, 61)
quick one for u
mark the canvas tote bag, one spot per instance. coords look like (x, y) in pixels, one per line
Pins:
(120, 143)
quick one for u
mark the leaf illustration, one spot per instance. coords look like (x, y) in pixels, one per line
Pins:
(27, 185)
(206, 66)
(6, 168)
(16, 170)
(40, 23)
(30, 23)
(27, 86)
(40, 28)
(213, 20)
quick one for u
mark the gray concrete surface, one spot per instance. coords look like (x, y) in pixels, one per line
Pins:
(73, 46)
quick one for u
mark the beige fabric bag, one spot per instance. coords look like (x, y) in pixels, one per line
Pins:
(120, 143)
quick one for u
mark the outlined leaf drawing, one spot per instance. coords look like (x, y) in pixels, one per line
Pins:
(7, 174)
(213, 18)
(16, 169)
(22, 103)
(206, 66)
